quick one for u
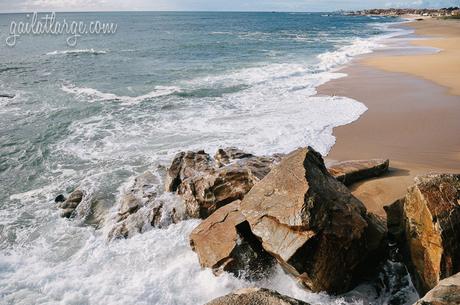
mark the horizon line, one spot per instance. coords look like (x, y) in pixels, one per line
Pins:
(205, 11)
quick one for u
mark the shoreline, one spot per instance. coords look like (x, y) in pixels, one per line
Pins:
(411, 119)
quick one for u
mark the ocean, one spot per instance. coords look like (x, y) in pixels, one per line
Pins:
(96, 115)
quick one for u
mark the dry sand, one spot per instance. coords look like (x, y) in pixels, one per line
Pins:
(442, 68)
(411, 120)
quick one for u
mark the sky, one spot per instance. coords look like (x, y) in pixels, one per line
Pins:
(212, 5)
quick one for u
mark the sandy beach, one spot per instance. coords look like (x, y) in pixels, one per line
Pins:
(413, 108)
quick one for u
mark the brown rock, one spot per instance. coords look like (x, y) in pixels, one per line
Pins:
(186, 165)
(447, 292)
(204, 194)
(255, 296)
(349, 172)
(207, 184)
(431, 221)
(223, 242)
(311, 223)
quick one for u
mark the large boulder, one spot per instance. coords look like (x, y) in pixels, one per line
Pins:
(311, 223)
(224, 242)
(426, 223)
(141, 207)
(349, 172)
(206, 183)
(447, 292)
(255, 296)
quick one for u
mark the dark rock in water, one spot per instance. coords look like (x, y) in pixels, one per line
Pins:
(426, 225)
(224, 242)
(255, 296)
(207, 184)
(311, 223)
(447, 292)
(5, 95)
(142, 207)
(69, 206)
(59, 198)
(349, 172)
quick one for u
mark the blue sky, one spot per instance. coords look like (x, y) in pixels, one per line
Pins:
(213, 5)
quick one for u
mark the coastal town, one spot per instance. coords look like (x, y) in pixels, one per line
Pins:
(427, 12)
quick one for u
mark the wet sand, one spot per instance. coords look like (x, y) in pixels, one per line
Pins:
(411, 120)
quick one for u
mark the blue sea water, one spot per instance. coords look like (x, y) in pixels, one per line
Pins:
(96, 115)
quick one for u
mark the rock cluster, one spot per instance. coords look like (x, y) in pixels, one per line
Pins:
(255, 296)
(206, 183)
(142, 207)
(426, 224)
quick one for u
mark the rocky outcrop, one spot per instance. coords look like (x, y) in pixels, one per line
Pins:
(349, 172)
(447, 292)
(426, 223)
(142, 207)
(255, 296)
(312, 224)
(206, 184)
(224, 242)
(69, 205)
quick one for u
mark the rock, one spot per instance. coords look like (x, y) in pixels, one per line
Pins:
(186, 165)
(429, 226)
(447, 292)
(59, 198)
(311, 223)
(226, 156)
(224, 242)
(142, 207)
(349, 172)
(255, 296)
(68, 206)
(206, 193)
(207, 184)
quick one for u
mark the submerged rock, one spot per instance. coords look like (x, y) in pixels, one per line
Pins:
(349, 172)
(311, 223)
(207, 184)
(69, 206)
(446, 292)
(255, 296)
(6, 95)
(224, 242)
(426, 223)
(141, 207)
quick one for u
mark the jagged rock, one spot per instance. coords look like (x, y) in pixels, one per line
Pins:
(226, 156)
(255, 296)
(141, 208)
(447, 292)
(311, 223)
(349, 172)
(68, 206)
(204, 194)
(207, 184)
(186, 165)
(224, 242)
(427, 226)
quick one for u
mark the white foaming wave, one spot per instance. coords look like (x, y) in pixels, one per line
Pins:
(95, 95)
(77, 51)
(75, 265)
